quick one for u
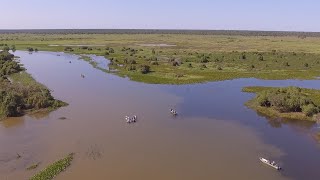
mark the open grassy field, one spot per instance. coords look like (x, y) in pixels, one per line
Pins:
(187, 58)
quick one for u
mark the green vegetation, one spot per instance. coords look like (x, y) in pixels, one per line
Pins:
(187, 58)
(54, 169)
(289, 102)
(19, 92)
(33, 166)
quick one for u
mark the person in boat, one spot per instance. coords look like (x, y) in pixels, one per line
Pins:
(131, 120)
(134, 118)
(173, 112)
(128, 119)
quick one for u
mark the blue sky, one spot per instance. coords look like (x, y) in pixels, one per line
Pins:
(292, 15)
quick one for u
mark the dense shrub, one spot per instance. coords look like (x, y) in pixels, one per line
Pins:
(132, 61)
(310, 109)
(30, 49)
(144, 69)
(16, 97)
(6, 48)
(68, 49)
(111, 50)
(5, 56)
(289, 99)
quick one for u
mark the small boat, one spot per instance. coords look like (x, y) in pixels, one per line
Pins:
(173, 112)
(270, 163)
(131, 120)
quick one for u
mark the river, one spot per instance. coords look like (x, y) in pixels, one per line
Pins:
(214, 136)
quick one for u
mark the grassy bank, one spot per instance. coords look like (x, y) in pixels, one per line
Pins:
(20, 93)
(288, 103)
(183, 59)
(54, 169)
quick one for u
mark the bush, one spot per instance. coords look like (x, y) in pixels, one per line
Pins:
(6, 56)
(154, 63)
(260, 57)
(132, 61)
(68, 49)
(131, 68)
(204, 59)
(310, 109)
(262, 99)
(6, 48)
(176, 63)
(289, 99)
(144, 69)
(243, 56)
(30, 49)
(13, 48)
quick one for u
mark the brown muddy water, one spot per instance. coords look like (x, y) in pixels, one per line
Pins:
(214, 137)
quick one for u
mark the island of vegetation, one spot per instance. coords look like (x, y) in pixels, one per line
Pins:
(182, 57)
(54, 169)
(289, 102)
(19, 92)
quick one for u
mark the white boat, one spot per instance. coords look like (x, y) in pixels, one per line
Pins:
(270, 163)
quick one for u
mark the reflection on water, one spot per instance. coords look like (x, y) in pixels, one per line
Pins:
(12, 122)
(214, 137)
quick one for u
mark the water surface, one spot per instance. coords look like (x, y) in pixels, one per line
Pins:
(214, 137)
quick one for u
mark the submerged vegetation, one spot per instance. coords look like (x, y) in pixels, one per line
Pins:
(54, 169)
(19, 92)
(187, 58)
(289, 102)
(33, 166)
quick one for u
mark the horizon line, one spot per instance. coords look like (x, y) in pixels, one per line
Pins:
(162, 29)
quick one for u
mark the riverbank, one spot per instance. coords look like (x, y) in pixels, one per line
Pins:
(20, 93)
(186, 59)
(261, 102)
